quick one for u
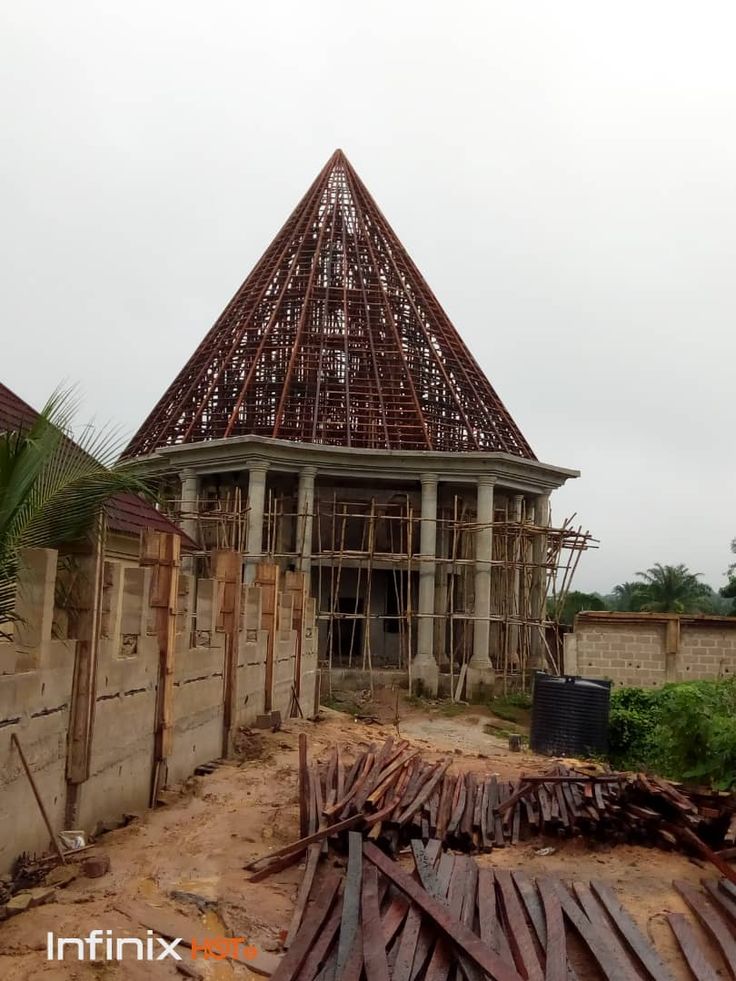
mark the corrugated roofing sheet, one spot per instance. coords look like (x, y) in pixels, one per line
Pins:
(126, 513)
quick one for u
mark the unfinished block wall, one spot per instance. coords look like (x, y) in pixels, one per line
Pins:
(648, 650)
(38, 689)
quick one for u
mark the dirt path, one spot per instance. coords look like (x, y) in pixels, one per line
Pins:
(199, 843)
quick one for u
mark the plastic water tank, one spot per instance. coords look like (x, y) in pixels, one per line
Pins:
(570, 715)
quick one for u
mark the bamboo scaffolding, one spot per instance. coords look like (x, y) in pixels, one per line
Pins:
(372, 538)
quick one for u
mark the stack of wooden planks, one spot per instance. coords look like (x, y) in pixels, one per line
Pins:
(451, 919)
(393, 795)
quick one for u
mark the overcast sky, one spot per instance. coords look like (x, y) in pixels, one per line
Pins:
(562, 173)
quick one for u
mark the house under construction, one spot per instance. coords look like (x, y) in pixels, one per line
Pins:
(333, 423)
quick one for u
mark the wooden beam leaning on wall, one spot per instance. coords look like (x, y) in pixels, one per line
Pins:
(161, 552)
(228, 570)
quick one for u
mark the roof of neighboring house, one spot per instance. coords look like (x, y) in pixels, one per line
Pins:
(335, 338)
(126, 513)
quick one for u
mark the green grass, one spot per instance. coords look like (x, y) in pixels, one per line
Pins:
(513, 707)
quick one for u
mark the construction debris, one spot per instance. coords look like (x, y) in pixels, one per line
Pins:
(455, 919)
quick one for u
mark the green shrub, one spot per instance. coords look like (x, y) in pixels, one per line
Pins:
(682, 731)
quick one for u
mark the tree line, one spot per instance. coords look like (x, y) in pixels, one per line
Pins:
(660, 589)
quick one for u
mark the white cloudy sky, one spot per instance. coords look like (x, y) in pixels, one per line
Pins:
(563, 174)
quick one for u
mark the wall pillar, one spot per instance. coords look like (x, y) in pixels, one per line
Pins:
(189, 502)
(424, 666)
(305, 518)
(539, 582)
(480, 668)
(256, 503)
(515, 584)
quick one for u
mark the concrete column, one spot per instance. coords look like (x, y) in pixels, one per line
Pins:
(256, 502)
(539, 581)
(305, 518)
(515, 584)
(480, 669)
(424, 666)
(189, 502)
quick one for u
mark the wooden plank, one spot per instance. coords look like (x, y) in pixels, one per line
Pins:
(316, 915)
(711, 920)
(351, 900)
(393, 918)
(305, 887)
(473, 946)
(491, 930)
(340, 775)
(519, 936)
(687, 941)
(345, 804)
(458, 808)
(424, 793)
(382, 759)
(374, 950)
(444, 955)
(353, 969)
(594, 911)
(467, 916)
(524, 790)
(407, 946)
(303, 787)
(554, 929)
(466, 823)
(535, 911)
(427, 934)
(685, 834)
(388, 777)
(460, 682)
(596, 944)
(486, 812)
(637, 942)
(725, 903)
(295, 848)
(445, 806)
(321, 947)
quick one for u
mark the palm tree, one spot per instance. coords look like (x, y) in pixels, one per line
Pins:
(672, 589)
(628, 596)
(53, 488)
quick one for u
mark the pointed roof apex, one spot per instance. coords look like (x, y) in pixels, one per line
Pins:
(335, 338)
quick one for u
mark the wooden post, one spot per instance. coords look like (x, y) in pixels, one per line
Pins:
(267, 578)
(84, 683)
(161, 551)
(295, 583)
(228, 570)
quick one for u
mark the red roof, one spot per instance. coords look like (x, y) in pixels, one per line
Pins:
(335, 338)
(126, 513)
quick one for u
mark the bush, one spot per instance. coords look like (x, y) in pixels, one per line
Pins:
(682, 731)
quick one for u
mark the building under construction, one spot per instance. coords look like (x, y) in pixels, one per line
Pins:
(333, 423)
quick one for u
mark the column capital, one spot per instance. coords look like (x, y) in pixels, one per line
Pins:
(258, 466)
(308, 472)
(187, 473)
(428, 478)
(485, 480)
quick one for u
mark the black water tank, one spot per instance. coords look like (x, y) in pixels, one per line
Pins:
(570, 715)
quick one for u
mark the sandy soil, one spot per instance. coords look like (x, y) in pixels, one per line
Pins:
(200, 842)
